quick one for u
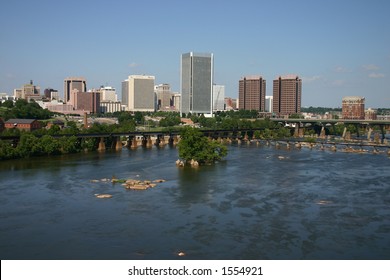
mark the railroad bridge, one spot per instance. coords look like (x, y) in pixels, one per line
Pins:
(160, 138)
(300, 124)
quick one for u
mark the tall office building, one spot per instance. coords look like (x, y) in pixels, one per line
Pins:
(28, 91)
(86, 101)
(125, 94)
(197, 71)
(164, 97)
(269, 103)
(218, 97)
(251, 93)
(108, 94)
(287, 92)
(138, 93)
(73, 83)
(353, 107)
(51, 94)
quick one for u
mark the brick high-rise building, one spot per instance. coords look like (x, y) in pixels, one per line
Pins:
(287, 94)
(86, 101)
(353, 107)
(73, 83)
(251, 93)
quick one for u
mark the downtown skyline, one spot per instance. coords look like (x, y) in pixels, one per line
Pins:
(338, 49)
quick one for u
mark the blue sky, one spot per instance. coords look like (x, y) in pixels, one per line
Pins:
(339, 48)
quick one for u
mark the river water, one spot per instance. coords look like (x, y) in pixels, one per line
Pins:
(258, 203)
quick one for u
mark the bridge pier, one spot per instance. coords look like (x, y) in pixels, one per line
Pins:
(173, 140)
(369, 134)
(118, 144)
(163, 142)
(160, 140)
(134, 143)
(102, 145)
(296, 130)
(383, 133)
(147, 142)
(346, 134)
(322, 133)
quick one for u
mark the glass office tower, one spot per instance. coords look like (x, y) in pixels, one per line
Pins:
(197, 71)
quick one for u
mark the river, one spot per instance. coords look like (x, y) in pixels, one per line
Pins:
(258, 203)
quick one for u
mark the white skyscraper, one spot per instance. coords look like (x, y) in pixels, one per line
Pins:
(269, 103)
(218, 97)
(108, 94)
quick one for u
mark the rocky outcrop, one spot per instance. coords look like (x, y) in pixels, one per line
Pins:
(129, 184)
(132, 184)
(192, 163)
(103, 195)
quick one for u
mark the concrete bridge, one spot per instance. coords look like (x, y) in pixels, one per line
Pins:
(300, 124)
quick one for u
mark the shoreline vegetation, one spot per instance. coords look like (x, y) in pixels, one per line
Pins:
(58, 140)
(192, 152)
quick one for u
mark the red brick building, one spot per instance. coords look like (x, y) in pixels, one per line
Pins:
(23, 124)
(353, 108)
(86, 101)
(370, 114)
(287, 94)
(251, 93)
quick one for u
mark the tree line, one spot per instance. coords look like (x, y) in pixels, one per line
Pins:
(43, 142)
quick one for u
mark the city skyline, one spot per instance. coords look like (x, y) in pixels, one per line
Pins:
(338, 49)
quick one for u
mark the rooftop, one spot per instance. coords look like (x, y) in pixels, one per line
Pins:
(21, 121)
(287, 77)
(353, 98)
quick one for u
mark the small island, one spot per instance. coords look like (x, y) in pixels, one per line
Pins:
(196, 149)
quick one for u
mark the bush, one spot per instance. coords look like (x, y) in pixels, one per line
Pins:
(194, 146)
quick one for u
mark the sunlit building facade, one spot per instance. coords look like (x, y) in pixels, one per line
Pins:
(251, 93)
(287, 95)
(353, 108)
(197, 71)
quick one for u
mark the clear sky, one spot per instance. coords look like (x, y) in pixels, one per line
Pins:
(338, 47)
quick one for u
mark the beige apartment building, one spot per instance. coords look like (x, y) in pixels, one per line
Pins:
(138, 93)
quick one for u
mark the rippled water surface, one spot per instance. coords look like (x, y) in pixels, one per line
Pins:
(259, 203)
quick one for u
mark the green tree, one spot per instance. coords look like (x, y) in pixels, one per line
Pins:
(194, 145)
(69, 145)
(71, 128)
(8, 104)
(139, 117)
(170, 120)
(7, 151)
(50, 145)
(27, 145)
